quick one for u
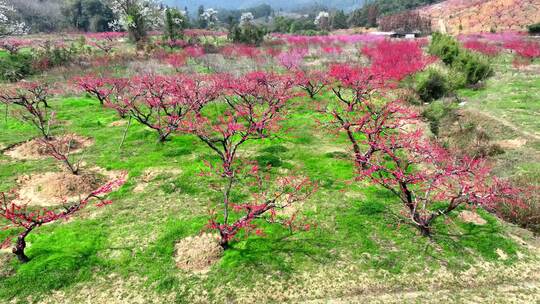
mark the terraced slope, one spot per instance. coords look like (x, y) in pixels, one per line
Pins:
(472, 16)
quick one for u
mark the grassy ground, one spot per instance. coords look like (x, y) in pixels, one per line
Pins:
(509, 109)
(359, 251)
(124, 253)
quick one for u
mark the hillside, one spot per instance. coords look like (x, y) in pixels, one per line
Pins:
(472, 16)
(276, 4)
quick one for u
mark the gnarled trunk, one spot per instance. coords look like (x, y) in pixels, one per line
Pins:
(20, 246)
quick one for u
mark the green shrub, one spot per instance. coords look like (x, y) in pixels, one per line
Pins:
(247, 34)
(456, 79)
(57, 55)
(312, 33)
(436, 112)
(534, 29)
(175, 23)
(14, 67)
(474, 66)
(432, 86)
(410, 96)
(445, 47)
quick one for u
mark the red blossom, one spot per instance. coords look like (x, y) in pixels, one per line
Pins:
(161, 102)
(312, 82)
(194, 51)
(395, 60)
(31, 98)
(391, 152)
(13, 45)
(177, 60)
(255, 104)
(482, 47)
(105, 41)
(525, 49)
(100, 87)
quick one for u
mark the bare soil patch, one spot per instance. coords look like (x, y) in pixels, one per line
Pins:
(111, 289)
(5, 258)
(512, 143)
(150, 175)
(517, 129)
(198, 254)
(118, 123)
(55, 188)
(472, 217)
(35, 149)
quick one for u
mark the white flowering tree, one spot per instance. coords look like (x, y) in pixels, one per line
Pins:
(247, 32)
(176, 22)
(9, 25)
(323, 20)
(246, 18)
(209, 17)
(136, 16)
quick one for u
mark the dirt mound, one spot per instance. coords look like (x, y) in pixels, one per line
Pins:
(472, 217)
(118, 123)
(150, 175)
(197, 254)
(512, 143)
(35, 149)
(54, 188)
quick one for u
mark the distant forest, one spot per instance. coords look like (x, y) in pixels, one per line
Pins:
(95, 15)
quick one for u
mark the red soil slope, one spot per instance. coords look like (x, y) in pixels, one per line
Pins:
(473, 16)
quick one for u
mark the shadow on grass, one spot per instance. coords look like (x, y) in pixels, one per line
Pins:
(157, 262)
(60, 257)
(476, 240)
(278, 252)
(392, 243)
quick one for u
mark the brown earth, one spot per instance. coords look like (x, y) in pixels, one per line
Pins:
(475, 16)
(150, 175)
(198, 254)
(118, 123)
(512, 143)
(472, 217)
(54, 188)
(35, 149)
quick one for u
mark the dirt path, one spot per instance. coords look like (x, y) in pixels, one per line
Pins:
(508, 124)
(512, 292)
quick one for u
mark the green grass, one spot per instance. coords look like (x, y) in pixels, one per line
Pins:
(512, 96)
(135, 236)
(61, 256)
(508, 108)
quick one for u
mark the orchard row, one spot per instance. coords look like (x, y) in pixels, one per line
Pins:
(226, 112)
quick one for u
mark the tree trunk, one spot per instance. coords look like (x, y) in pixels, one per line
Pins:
(223, 243)
(74, 170)
(162, 138)
(18, 250)
(424, 230)
(226, 195)
(224, 239)
(125, 132)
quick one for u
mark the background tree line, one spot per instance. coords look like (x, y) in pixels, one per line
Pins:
(56, 15)
(97, 15)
